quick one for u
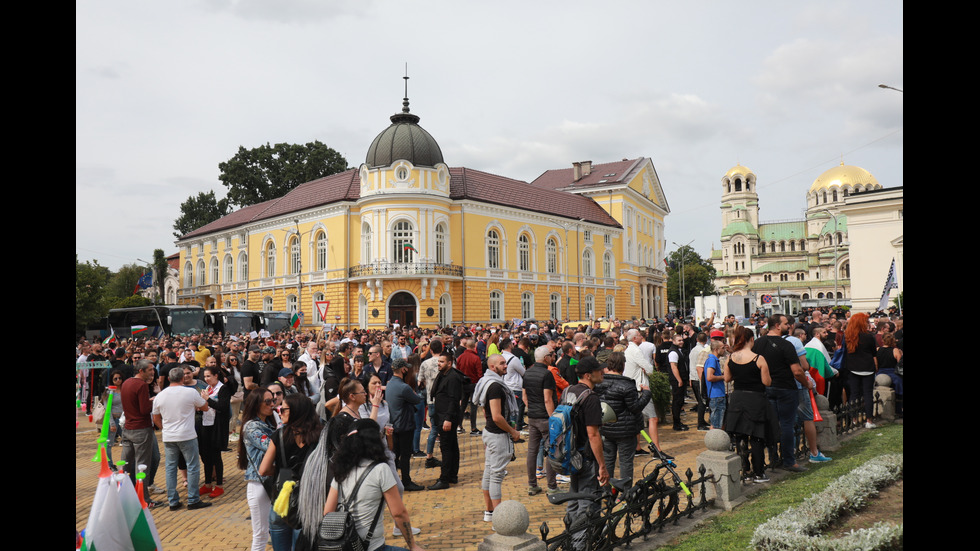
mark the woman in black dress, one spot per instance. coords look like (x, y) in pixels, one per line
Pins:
(750, 417)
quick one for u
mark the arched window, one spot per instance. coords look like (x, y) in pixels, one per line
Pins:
(527, 305)
(610, 306)
(496, 306)
(555, 306)
(607, 271)
(440, 244)
(782, 246)
(321, 251)
(445, 310)
(403, 241)
(295, 262)
(819, 295)
(214, 270)
(835, 195)
(792, 246)
(524, 252)
(188, 274)
(840, 238)
(802, 244)
(242, 304)
(229, 269)
(552, 256)
(845, 270)
(589, 306)
(738, 184)
(367, 237)
(587, 263)
(200, 273)
(762, 248)
(806, 296)
(243, 267)
(291, 303)
(267, 304)
(270, 260)
(493, 250)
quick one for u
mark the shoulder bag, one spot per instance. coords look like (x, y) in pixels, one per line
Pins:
(338, 530)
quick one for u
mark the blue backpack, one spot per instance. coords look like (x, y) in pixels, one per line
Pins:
(564, 451)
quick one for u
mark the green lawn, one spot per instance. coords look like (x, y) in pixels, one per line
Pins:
(733, 529)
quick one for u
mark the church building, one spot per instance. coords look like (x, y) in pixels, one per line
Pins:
(807, 260)
(407, 238)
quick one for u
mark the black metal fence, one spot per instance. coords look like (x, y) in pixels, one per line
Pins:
(654, 502)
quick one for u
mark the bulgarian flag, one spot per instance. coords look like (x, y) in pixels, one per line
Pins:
(118, 520)
(110, 339)
(136, 329)
(409, 247)
(294, 321)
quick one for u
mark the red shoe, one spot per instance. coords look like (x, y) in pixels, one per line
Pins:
(206, 489)
(218, 490)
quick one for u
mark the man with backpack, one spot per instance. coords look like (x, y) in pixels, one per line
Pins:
(587, 419)
(498, 436)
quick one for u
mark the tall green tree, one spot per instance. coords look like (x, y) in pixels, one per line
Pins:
(199, 211)
(123, 283)
(699, 276)
(160, 267)
(90, 282)
(270, 171)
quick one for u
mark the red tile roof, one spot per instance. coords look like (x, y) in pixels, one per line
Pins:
(465, 183)
(612, 173)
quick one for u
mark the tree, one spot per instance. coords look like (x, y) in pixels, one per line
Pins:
(160, 268)
(123, 283)
(199, 211)
(268, 172)
(90, 283)
(699, 277)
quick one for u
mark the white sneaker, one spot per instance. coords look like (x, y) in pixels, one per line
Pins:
(415, 531)
(562, 478)
(487, 516)
(870, 425)
(155, 490)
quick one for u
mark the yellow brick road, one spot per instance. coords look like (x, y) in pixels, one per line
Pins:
(450, 519)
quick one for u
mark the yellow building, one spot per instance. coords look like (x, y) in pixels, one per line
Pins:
(405, 237)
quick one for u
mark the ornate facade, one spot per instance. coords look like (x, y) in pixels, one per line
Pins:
(406, 237)
(790, 257)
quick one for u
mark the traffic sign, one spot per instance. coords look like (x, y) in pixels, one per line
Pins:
(766, 299)
(322, 306)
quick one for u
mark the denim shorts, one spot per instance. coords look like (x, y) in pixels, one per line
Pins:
(805, 409)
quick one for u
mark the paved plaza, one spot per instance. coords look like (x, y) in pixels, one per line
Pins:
(450, 519)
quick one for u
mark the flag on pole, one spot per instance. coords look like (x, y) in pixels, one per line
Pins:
(409, 247)
(294, 321)
(110, 339)
(146, 280)
(136, 329)
(891, 282)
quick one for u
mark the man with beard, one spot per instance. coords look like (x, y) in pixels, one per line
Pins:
(448, 390)
(250, 370)
(401, 404)
(267, 367)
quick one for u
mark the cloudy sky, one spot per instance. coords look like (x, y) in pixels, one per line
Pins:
(166, 91)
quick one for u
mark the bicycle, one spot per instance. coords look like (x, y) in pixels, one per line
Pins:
(596, 530)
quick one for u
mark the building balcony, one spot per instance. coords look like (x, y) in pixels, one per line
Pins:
(383, 269)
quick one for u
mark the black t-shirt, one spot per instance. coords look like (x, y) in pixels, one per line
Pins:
(780, 354)
(536, 380)
(496, 391)
(250, 369)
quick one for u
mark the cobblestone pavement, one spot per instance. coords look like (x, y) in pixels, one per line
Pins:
(450, 519)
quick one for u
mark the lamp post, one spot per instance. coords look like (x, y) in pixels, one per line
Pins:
(299, 268)
(568, 299)
(832, 238)
(887, 87)
(681, 287)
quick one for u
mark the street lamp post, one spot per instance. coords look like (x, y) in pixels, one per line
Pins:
(680, 283)
(299, 269)
(833, 238)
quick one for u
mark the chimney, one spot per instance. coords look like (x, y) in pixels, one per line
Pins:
(576, 171)
(586, 168)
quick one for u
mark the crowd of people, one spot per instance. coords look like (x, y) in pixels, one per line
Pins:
(323, 408)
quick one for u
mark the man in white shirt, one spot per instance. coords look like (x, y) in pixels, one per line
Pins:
(173, 413)
(699, 352)
(639, 368)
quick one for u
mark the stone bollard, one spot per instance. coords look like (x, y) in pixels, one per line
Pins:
(725, 466)
(510, 522)
(883, 386)
(827, 429)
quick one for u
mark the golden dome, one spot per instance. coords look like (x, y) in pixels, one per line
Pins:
(738, 169)
(738, 281)
(844, 175)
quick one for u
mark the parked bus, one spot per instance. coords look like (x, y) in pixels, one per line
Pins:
(158, 321)
(233, 322)
(277, 321)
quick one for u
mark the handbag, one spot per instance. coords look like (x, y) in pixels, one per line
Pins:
(268, 482)
(285, 475)
(338, 531)
(98, 411)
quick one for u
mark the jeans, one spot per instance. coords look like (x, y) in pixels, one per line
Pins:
(519, 395)
(139, 447)
(430, 444)
(283, 537)
(419, 420)
(626, 449)
(187, 448)
(537, 432)
(718, 406)
(786, 401)
(586, 482)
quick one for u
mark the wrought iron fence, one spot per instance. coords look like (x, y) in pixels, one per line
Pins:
(851, 415)
(405, 268)
(654, 502)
